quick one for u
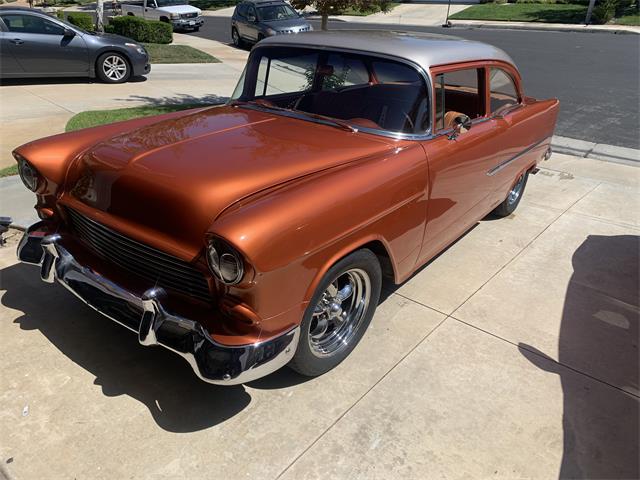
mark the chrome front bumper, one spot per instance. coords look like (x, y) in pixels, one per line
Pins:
(145, 315)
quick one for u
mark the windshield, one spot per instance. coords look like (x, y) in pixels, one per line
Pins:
(359, 90)
(169, 3)
(276, 12)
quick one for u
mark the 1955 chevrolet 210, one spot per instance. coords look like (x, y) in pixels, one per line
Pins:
(256, 234)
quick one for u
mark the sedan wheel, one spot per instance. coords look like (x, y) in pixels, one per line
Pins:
(339, 313)
(113, 68)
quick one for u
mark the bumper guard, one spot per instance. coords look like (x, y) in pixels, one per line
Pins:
(145, 315)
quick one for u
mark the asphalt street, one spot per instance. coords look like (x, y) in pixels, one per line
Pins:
(595, 75)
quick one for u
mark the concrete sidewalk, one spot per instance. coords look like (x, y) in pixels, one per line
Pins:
(512, 355)
(37, 108)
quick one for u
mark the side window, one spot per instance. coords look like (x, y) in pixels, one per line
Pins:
(251, 12)
(342, 71)
(31, 24)
(458, 92)
(242, 10)
(503, 90)
(285, 75)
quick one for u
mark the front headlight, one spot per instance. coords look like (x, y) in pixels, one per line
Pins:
(175, 16)
(28, 173)
(138, 48)
(225, 263)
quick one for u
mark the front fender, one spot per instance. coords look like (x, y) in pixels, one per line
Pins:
(293, 234)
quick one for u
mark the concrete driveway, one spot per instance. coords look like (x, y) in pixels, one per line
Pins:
(512, 355)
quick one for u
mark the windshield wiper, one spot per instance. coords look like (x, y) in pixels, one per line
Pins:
(325, 120)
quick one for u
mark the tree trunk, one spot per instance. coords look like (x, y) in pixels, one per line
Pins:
(325, 21)
(100, 16)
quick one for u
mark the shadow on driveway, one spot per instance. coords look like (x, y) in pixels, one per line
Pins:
(599, 337)
(176, 398)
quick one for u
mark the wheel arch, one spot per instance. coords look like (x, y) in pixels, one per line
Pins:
(376, 244)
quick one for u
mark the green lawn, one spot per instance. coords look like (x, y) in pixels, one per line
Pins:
(524, 12)
(160, 53)
(93, 118)
(212, 4)
(11, 170)
(627, 20)
(357, 13)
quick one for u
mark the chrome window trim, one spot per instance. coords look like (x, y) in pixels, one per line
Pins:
(427, 135)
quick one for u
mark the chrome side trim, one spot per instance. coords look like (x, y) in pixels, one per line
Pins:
(211, 361)
(505, 163)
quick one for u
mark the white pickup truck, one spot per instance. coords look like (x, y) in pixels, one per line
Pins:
(177, 12)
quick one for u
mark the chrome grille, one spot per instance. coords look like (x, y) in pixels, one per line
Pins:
(189, 15)
(160, 268)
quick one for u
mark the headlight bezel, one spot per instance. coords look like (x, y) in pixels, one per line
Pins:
(174, 16)
(218, 254)
(28, 173)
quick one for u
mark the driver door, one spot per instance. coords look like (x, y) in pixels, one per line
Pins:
(251, 27)
(149, 10)
(40, 46)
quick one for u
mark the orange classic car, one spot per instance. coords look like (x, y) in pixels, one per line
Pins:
(256, 234)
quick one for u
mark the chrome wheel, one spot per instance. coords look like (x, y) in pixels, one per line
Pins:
(114, 67)
(339, 313)
(515, 192)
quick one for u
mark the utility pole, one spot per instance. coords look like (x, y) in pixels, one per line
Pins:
(100, 16)
(589, 12)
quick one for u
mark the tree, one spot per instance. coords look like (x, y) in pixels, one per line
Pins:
(100, 16)
(335, 7)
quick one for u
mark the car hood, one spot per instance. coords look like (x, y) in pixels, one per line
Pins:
(179, 9)
(287, 23)
(176, 176)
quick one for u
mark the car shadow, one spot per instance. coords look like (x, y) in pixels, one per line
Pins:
(176, 399)
(598, 336)
(178, 100)
(21, 82)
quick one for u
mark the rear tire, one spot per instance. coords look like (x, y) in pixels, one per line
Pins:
(339, 313)
(113, 67)
(510, 203)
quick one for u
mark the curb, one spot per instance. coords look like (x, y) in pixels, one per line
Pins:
(597, 151)
(542, 27)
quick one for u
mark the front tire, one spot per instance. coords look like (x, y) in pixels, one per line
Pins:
(235, 37)
(339, 313)
(113, 67)
(510, 203)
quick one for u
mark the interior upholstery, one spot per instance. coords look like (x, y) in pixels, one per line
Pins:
(387, 106)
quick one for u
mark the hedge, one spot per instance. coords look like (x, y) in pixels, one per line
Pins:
(141, 30)
(81, 20)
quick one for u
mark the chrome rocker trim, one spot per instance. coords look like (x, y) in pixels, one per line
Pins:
(211, 361)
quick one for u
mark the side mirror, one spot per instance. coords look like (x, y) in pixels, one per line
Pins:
(68, 33)
(251, 18)
(461, 124)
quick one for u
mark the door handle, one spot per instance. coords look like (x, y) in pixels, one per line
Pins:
(17, 41)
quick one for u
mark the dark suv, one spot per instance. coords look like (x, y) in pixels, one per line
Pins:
(254, 20)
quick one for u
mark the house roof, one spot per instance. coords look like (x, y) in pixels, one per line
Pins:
(425, 49)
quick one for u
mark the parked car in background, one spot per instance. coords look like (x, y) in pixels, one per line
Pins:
(33, 44)
(256, 234)
(176, 12)
(257, 19)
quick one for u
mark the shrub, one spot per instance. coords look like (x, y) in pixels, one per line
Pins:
(81, 20)
(604, 11)
(141, 30)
